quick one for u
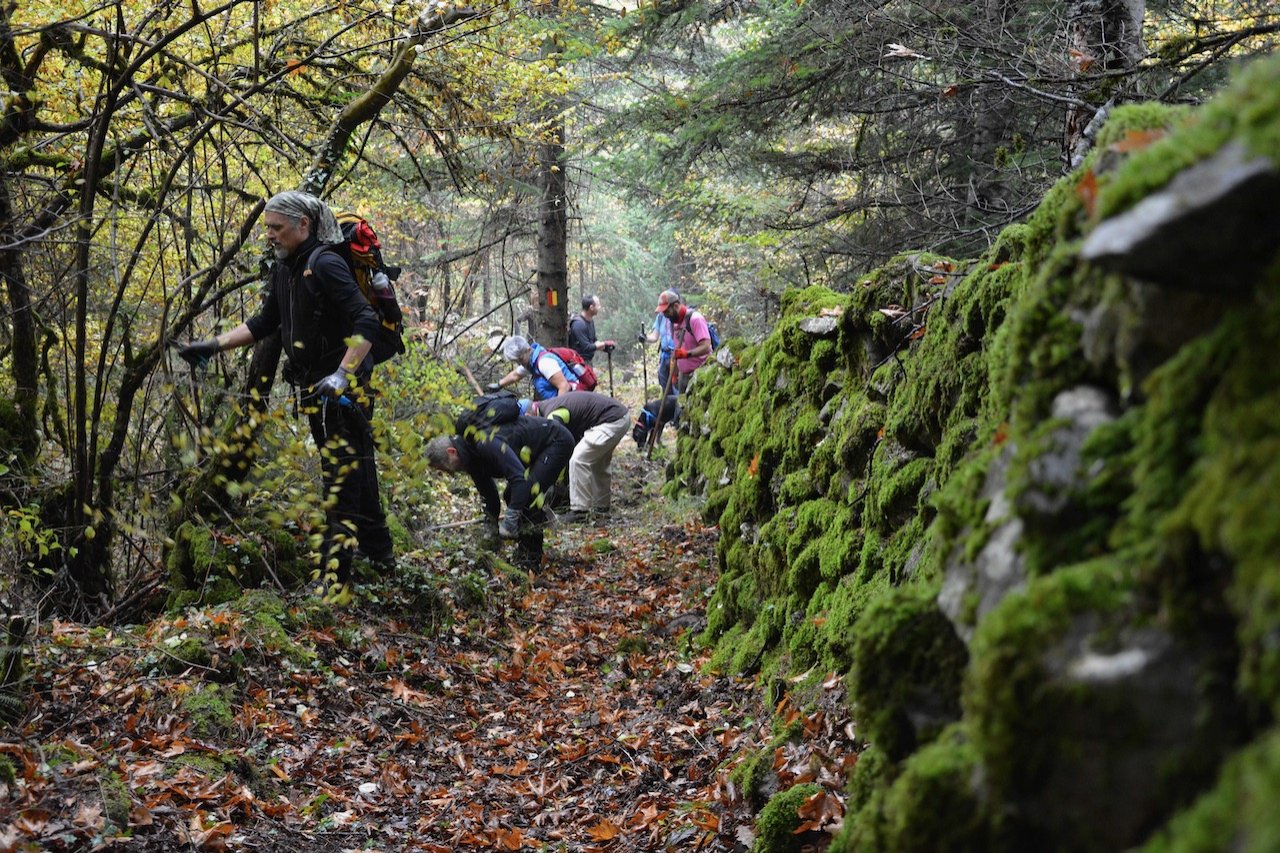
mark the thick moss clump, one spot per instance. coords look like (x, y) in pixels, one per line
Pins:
(937, 802)
(908, 661)
(265, 628)
(1238, 813)
(181, 653)
(209, 711)
(207, 567)
(779, 819)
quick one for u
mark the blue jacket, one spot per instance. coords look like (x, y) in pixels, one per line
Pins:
(542, 387)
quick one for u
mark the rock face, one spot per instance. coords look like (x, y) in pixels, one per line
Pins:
(971, 588)
(1176, 236)
(1035, 524)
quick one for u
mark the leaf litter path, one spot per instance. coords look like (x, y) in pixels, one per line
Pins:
(566, 711)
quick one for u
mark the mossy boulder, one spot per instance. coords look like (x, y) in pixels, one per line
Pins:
(1081, 705)
(938, 801)
(209, 567)
(908, 662)
(1074, 469)
(1238, 813)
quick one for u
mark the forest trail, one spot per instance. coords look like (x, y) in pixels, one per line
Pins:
(566, 710)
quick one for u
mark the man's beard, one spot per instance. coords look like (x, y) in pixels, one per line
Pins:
(280, 252)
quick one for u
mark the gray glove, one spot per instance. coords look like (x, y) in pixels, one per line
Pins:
(492, 386)
(335, 384)
(197, 354)
(509, 526)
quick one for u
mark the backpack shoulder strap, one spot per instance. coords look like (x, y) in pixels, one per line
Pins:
(316, 251)
(538, 351)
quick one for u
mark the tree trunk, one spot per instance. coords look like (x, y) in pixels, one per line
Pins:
(993, 123)
(1103, 37)
(551, 317)
(25, 354)
(89, 555)
(551, 320)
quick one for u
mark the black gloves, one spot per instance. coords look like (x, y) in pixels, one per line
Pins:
(197, 354)
(608, 346)
(642, 338)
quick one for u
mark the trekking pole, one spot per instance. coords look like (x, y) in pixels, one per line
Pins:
(608, 353)
(644, 365)
(658, 423)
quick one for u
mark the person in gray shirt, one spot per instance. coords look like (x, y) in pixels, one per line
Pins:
(598, 424)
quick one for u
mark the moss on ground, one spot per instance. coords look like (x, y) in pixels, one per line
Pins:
(116, 801)
(209, 710)
(779, 819)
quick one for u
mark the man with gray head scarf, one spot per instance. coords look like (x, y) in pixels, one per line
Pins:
(327, 327)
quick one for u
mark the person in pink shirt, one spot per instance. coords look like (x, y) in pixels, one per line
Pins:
(691, 336)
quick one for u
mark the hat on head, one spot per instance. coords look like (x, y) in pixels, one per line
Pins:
(667, 297)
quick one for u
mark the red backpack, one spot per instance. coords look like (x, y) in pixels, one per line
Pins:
(572, 358)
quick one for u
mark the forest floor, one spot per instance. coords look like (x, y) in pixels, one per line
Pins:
(461, 705)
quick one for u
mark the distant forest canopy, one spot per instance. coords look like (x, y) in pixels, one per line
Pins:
(513, 157)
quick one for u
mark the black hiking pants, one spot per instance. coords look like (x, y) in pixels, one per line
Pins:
(543, 474)
(344, 436)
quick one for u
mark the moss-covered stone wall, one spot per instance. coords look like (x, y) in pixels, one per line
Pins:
(1027, 504)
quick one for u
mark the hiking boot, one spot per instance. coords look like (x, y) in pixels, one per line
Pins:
(329, 589)
(381, 565)
(575, 516)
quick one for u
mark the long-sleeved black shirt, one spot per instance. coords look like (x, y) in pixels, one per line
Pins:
(582, 337)
(507, 453)
(316, 314)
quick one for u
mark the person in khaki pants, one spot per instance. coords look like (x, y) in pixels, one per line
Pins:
(597, 423)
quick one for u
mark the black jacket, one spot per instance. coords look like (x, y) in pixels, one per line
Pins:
(582, 337)
(509, 452)
(316, 314)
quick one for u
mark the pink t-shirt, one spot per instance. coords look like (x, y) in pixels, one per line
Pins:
(688, 335)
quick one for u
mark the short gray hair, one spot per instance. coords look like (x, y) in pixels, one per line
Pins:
(438, 451)
(514, 348)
